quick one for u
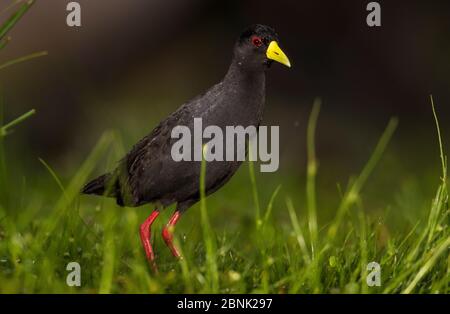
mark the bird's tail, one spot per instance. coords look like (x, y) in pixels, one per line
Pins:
(97, 186)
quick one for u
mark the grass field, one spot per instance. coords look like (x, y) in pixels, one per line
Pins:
(245, 238)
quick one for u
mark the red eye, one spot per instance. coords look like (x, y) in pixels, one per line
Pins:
(256, 41)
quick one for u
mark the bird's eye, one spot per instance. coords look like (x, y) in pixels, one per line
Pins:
(257, 41)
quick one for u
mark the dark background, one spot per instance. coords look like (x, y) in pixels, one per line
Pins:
(133, 62)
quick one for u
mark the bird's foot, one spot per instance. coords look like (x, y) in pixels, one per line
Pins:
(168, 239)
(167, 234)
(145, 233)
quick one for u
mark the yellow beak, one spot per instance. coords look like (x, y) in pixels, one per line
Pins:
(275, 53)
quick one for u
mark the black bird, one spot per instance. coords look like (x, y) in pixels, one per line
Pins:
(149, 174)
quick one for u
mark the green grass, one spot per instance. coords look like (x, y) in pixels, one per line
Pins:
(8, 25)
(244, 238)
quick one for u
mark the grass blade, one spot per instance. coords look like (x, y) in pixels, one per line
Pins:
(23, 59)
(74, 187)
(270, 204)
(9, 24)
(352, 195)
(108, 261)
(54, 176)
(5, 130)
(441, 147)
(311, 175)
(428, 265)
(251, 170)
(208, 237)
(298, 231)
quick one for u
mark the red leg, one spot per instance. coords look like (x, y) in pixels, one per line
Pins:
(167, 233)
(145, 232)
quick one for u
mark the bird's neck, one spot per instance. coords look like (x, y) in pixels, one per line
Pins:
(246, 87)
(241, 68)
(244, 77)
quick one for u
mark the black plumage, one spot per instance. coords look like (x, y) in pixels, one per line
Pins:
(148, 174)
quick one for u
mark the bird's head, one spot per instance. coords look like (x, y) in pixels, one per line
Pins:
(257, 47)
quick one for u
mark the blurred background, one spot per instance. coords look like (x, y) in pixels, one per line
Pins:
(133, 62)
